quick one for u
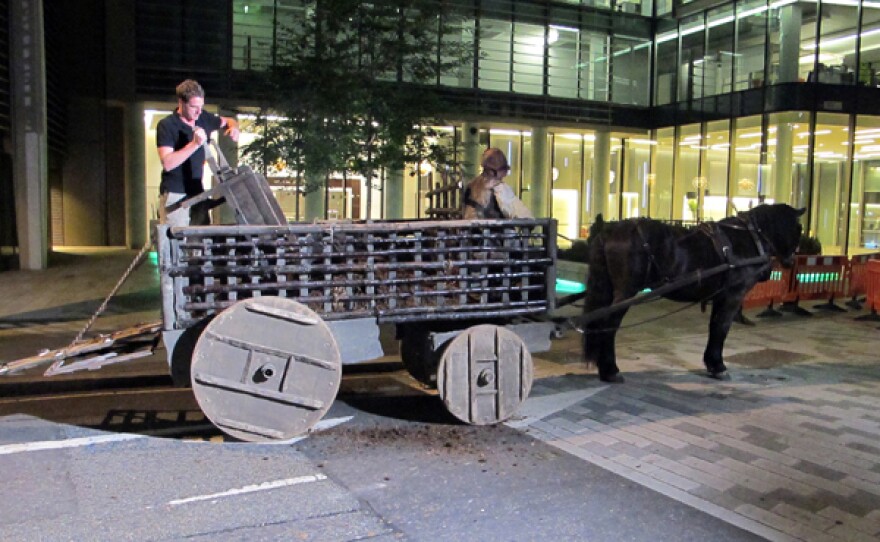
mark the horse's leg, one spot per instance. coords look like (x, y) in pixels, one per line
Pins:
(608, 370)
(599, 334)
(724, 309)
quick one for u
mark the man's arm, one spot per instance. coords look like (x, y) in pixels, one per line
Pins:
(171, 158)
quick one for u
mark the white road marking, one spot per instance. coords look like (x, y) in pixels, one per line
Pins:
(67, 443)
(251, 489)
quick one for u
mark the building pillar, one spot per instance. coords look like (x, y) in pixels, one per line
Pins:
(780, 191)
(790, 20)
(601, 174)
(540, 178)
(394, 189)
(137, 219)
(470, 140)
(29, 137)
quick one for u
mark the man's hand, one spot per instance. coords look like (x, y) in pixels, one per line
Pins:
(231, 128)
(199, 137)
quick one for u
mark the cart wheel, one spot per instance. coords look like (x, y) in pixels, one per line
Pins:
(485, 373)
(266, 369)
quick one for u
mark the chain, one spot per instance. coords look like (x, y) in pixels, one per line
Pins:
(132, 266)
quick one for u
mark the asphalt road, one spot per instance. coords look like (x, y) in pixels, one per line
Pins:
(395, 466)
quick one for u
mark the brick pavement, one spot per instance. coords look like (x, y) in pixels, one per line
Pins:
(788, 448)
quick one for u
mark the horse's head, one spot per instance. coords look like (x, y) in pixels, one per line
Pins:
(779, 224)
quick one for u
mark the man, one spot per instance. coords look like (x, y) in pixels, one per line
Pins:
(180, 140)
(487, 196)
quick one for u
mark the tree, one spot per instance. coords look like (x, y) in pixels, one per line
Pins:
(353, 84)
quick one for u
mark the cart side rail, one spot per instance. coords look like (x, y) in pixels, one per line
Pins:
(395, 271)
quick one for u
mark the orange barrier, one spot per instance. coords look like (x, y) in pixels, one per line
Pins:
(819, 277)
(872, 289)
(765, 294)
(857, 279)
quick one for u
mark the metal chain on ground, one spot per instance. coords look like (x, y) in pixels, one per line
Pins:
(132, 266)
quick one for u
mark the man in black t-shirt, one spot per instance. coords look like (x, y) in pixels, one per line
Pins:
(180, 139)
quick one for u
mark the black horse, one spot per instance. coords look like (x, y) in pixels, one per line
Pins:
(716, 261)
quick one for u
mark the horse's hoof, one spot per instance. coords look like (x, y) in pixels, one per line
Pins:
(720, 375)
(613, 379)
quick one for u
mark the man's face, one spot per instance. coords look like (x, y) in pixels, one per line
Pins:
(191, 110)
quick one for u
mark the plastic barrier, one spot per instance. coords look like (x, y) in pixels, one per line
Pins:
(857, 280)
(818, 277)
(765, 294)
(872, 290)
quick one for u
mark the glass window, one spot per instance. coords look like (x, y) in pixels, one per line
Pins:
(718, 61)
(494, 61)
(747, 175)
(690, 183)
(751, 28)
(567, 177)
(460, 32)
(869, 60)
(631, 55)
(253, 31)
(830, 181)
(594, 58)
(837, 43)
(563, 61)
(636, 165)
(692, 70)
(716, 148)
(528, 58)
(665, 66)
(660, 180)
(864, 205)
(664, 7)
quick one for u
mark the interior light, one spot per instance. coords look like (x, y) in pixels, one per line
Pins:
(842, 39)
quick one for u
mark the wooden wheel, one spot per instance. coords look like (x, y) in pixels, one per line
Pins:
(485, 373)
(266, 369)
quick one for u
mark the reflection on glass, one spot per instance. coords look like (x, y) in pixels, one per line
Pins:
(690, 184)
(494, 60)
(830, 172)
(661, 182)
(749, 60)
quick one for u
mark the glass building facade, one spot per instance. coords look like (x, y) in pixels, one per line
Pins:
(677, 111)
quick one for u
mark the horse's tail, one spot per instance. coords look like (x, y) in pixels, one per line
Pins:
(596, 260)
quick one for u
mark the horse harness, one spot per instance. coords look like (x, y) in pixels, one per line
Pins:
(725, 249)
